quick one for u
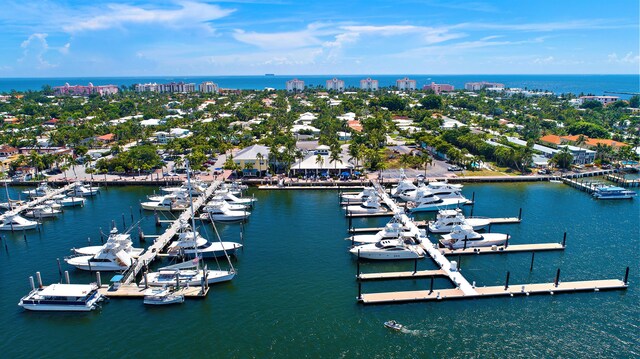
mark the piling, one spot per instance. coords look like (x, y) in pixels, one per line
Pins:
(431, 287)
(146, 281)
(66, 277)
(59, 268)
(124, 226)
(506, 283)
(33, 286)
(358, 264)
(359, 290)
(520, 214)
(626, 276)
(98, 279)
(564, 239)
(415, 266)
(157, 219)
(6, 249)
(39, 279)
(131, 212)
(533, 256)
(506, 244)
(557, 280)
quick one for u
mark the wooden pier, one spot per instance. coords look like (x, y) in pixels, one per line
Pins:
(39, 200)
(160, 242)
(619, 179)
(587, 186)
(511, 248)
(402, 275)
(135, 291)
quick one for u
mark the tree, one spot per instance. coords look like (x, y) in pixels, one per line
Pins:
(634, 101)
(334, 156)
(431, 102)
(563, 159)
(591, 104)
(320, 161)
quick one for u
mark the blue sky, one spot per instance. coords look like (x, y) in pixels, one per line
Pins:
(245, 37)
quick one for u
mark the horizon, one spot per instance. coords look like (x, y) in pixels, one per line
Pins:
(194, 38)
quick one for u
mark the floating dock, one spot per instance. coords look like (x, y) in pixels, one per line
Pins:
(134, 291)
(37, 201)
(423, 224)
(402, 275)
(619, 179)
(511, 248)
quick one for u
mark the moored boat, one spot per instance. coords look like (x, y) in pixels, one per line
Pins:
(613, 192)
(447, 219)
(463, 236)
(62, 297)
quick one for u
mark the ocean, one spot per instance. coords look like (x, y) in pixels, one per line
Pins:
(587, 84)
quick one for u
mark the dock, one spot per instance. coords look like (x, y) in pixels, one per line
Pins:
(511, 248)
(39, 200)
(624, 182)
(135, 291)
(586, 186)
(423, 224)
(161, 241)
(402, 275)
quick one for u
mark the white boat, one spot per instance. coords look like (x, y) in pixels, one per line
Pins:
(161, 296)
(447, 219)
(170, 202)
(42, 190)
(392, 324)
(196, 188)
(613, 192)
(389, 249)
(425, 191)
(434, 203)
(62, 297)
(219, 211)
(464, 236)
(355, 198)
(53, 204)
(122, 240)
(111, 257)
(42, 211)
(81, 190)
(392, 230)
(234, 187)
(405, 185)
(371, 206)
(15, 222)
(186, 245)
(13, 203)
(218, 200)
(443, 188)
(232, 198)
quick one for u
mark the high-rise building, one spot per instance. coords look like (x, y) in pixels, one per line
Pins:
(295, 85)
(335, 85)
(406, 84)
(369, 84)
(209, 87)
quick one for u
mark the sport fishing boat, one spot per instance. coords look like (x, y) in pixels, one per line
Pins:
(389, 249)
(162, 296)
(42, 190)
(430, 202)
(441, 189)
(425, 191)
(169, 203)
(187, 245)
(392, 324)
(111, 257)
(122, 240)
(220, 211)
(463, 236)
(66, 201)
(355, 198)
(392, 230)
(11, 204)
(447, 219)
(14, 222)
(81, 190)
(42, 211)
(613, 192)
(405, 185)
(232, 198)
(62, 297)
(371, 206)
(197, 188)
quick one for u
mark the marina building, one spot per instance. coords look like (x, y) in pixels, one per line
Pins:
(79, 90)
(438, 88)
(406, 84)
(295, 85)
(254, 157)
(477, 86)
(208, 87)
(369, 84)
(335, 85)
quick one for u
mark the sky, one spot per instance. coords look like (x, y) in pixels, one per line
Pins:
(76, 38)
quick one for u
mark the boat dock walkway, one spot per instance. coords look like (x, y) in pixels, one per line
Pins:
(619, 179)
(423, 224)
(402, 275)
(587, 186)
(493, 291)
(135, 291)
(511, 248)
(37, 201)
(160, 242)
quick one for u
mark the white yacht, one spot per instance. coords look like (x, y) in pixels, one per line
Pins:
(355, 198)
(405, 185)
(430, 202)
(441, 189)
(393, 230)
(11, 204)
(170, 202)
(222, 211)
(122, 240)
(613, 192)
(218, 200)
(232, 198)
(196, 188)
(187, 245)
(389, 249)
(42, 211)
(447, 219)
(111, 257)
(42, 190)
(81, 190)
(234, 187)
(161, 296)
(465, 233)
(62, 297)
(14, 222)
(188, 273)
(66, 201)
(371, 205)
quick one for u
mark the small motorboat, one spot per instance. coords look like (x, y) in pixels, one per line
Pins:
(162, 296)
(392, 324)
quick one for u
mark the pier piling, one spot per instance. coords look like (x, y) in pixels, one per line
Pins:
(533, 256)
(131, 212)
(431, 287)
(98, 280)
(564, 239)
(626, 276)
(33, 286)
(415, 266)
(59, 268)
(557, 280)
(66, 277)
(520, 214)
(506, 283)
(124, 225)
(39, 278)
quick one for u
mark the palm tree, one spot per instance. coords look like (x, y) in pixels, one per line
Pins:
(260, 159)
(319, 160)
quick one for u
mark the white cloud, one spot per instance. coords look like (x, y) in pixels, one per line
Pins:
(627, 59)
(34, 49)
(65, 49)
(187, 14)
(543, 61)
(278, 40)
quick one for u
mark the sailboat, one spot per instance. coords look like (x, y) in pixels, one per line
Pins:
(188, 273)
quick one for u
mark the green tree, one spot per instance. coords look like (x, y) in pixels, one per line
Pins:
(563, 159)
(431, 102)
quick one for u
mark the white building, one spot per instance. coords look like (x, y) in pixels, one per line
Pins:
(369, 84)
(335, 85)
(477, 86)
(295, 85)
(208, 87)
(406, 84)
(604, 100)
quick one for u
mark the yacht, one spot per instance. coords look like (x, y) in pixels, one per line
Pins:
(465, 233)
(170, 202)
(186, 245)
(393, 230)
(430, 202)
(219, 200)
(66, 201)
(423, 191)
(188, 274)
(42, 190)
(371, 205)
(447, 219)
(389, 249)
(196, 188)
(15, 222)
(111, 257)
(81, 190)
(405, 185)
(355, 198)
(613, 192)
(232, 198)
(161, 296)
(62, 297)
(234, 187)
(441, 189)
(220, 211)
(13, 203)
(122, 240)
(42, 211)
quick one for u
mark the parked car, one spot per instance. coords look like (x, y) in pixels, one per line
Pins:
(454, 168)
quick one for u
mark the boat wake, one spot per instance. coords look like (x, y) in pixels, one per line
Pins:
(418, 333)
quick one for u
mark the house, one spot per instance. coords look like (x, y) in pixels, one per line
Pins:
(254, 157)
(52, 123)
(580, 155)
(319, 162)
(604, 100)
(11, 120)
(344, 136)
(553, 140)
(438, 88)
(151, 122)
(8, 151)
(306, 118)
(305, 129)
(355, 125)
(108, 138)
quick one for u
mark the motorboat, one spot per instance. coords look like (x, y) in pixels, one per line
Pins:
(122, 240)
(81, 190)
(220, 212)
(389, 249)
(424, 191)
(234, 187)
(613, 192)
(392, 230)
(392, 324)
(170, 202)
(188, 274)
(66, 201)
(189, 244)
(11, 204)
(232, 198)
(53, 204)
(463, 236)
(430, 202)
(441, 189)
(355, 198)
(42, 211)
(447, 219)
(196, 188)
(14, 222)
(405, 185)
(218, 200)
(42, 190)
(111, 257)
(161, 296)
(371, 206)
(62, 297)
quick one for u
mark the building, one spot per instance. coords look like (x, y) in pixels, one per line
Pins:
(406, 84)
(148, 87)
(108, 138)
(335, 85)
(79, 90)
(208, 87)
(590, 143)
(369, 84)
(295, 85)
(8, 151)
(254, 157)
(581, 156)
(171, 87)
(477, 86)
(604, 100)
(438, 88)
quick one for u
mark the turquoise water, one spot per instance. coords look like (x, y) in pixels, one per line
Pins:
(295, 292)
(594, 84)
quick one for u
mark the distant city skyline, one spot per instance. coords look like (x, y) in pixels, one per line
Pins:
(251, 37)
